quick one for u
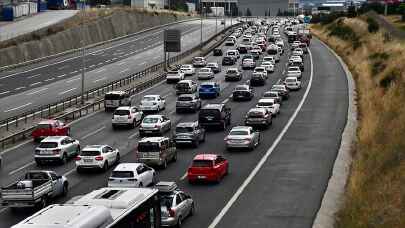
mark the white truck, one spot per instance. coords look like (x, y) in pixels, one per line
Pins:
(36, 189)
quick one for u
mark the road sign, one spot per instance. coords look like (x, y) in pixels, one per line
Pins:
(172, 40)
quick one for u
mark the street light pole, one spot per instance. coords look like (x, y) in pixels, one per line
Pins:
(83, 53)
(201, 29)
(216, 17)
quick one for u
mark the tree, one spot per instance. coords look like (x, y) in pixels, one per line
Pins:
(248, 12)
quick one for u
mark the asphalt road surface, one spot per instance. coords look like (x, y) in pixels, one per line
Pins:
(292, 164)
(29, 87)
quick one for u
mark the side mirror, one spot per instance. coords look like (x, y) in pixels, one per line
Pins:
(58, 177)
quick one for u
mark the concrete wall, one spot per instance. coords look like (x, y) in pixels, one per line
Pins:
(116, 25)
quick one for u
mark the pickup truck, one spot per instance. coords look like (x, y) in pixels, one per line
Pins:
(35, 189)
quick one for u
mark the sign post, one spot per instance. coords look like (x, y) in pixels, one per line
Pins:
(171, 43)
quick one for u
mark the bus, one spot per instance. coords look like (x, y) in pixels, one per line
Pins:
(102, 208)
(115, 99)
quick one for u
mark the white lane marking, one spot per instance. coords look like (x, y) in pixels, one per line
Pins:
(69, 172)
(5, 92)
(63, 67)
(184, 176)
(121, 63)
(61, 76)
(13, 109)
(156, 57)
(3, 210)
(91, 66)
(133, 135)
(107, 61)
(103, 78)
(34, 76)
(142, 63)
(245, 183)
(66, 91)
(74, 72)
(93, 133)
(49, 79)
(225, 101)
(38, 91)
(21, 168)
(101, 70)
(19, 88)
(72, 80)
(125, 70)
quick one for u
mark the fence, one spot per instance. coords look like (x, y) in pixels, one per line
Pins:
(60, 106)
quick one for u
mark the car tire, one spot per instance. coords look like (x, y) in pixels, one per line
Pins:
(63, 160)
(174, 159)
(105, 167)
(223, 127)
(133, 125)
(178, 225)
(77, 151)
(192, 210)
(164, 165)
(42, 204)
(140, 185)
(154, 179)
(65, 189)
(79, 170)
(117, 158)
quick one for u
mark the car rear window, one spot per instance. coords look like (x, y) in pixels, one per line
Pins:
(231, 71)
(184, 129)
(202, 163)
(239, 132)
(209, 112)
(122, 174)
(150, 120)
(207, 86)
(48, 145)
(148, 146)
(121, 112)
(43, 126)
(255, 114)
(89, 153)
(184, 98)
(265, 104)
(290, 80)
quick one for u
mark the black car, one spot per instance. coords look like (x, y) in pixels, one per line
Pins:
(242, 92)
(243, 49)
(284, 93)
(249, 56)
(218, 115)
(218, 52)
(257, 80)
(228, 61)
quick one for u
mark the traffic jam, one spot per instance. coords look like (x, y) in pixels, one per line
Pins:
(259, 67)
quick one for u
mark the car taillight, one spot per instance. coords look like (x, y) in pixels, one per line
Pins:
(78, 158)
(56, 151)
(129, 117)
(154, 103)
(157, 126)
(132, 179)
(99, 158)
(37, 151)
(172, 213)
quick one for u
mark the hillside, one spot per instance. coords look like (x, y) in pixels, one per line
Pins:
(377, 61)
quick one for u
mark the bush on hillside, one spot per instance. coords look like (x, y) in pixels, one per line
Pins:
(373, 26)
(344, 32)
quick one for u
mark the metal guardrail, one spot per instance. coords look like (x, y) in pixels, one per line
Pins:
(60, 106)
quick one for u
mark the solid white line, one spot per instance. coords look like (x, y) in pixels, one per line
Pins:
(93, 133)
(38, 91)
(49, 79)
(133, 135)
(143, 63)
(3, 210)
(13, 109)
(183, 177)
(121, 63)
(156, 57)
(34, 76)
(264, 158)
(22, 87)
(103, 78)
(225, 101)
(74, 72)
(125, 70)
(72, 80)
(69, 172)
(66, 91)
(101, 70)
(5, 92)
(21, 168)
(61, 76)
(63, 67)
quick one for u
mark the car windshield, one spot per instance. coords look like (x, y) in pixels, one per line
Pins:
(265, 104)
(240, 88)
(43, 126)
(120, 112)
(184, 98)
(239, 132)
(209, 112)
(231, 71)
(89, 153)
(259, 70)
(149, 99)
(148, 146)
(150, 120)
(207, 86)
(255, 114)
(211, 65)
(166, 201)
(205, 70)
(290, 80)
(198, 59)
(293, 69)
(184, 129)
(48, 145)
(122, 174)
(202, 163)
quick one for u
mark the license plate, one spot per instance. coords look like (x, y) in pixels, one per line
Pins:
(240, 96)
(148, 131)
(46, 152)
(210, 118)
(201, 177)
(88, 160)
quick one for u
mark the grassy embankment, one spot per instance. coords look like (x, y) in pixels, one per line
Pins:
(85, 17)
(375, 191)
(396, 21)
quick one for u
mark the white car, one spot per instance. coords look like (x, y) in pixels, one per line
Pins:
(56, 149)
(294, 71)
(292, 83)
(152, 103)
(97, 156)
(126, 116)
(132, 175)
(154, 124)
(268, 66)
(248, 64)
(174, 76)
(199, 62)
(206, 73)
(230, 42)
(269, 58)
(298, 51)
(187, 69)
(270, 104)
(233, 53)
(261, 70)
(295, 58)
(242, 137)
(279, 42)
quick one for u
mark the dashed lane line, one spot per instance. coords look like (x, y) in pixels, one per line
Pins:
(35, 92)
(16, 108)
(66, 91)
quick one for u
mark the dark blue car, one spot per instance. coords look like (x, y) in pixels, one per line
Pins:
(209, 90)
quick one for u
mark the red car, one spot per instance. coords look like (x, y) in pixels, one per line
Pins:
(207, 167)
(47, 128)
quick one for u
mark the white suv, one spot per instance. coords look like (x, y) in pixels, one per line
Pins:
(56, 148)
(152, 103)
(292, 83)
(154, 124)
(97, 156)
(126, 116)
(188, 69)
(130, 175)
(174, 76)
(270, 104)
(261, 70)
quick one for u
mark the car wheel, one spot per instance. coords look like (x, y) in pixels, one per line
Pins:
(105, 166)
(133, 125)
(223, 126)
(77, 151)
(65, 189)
(79, 170)
(195, 143)
(114, 127)
(192, 210)
(203, 137)
(140, 185)
(174, 157)
(42, 203)
(64, 158)
(179, 222)
(154, 179)
(164, 164)
(117, 159)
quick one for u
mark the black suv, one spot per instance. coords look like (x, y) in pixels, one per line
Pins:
(228, 61)
(218, 52)
(218, 115)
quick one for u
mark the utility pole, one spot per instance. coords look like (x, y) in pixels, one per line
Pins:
(216, 18)
(83, 52)
(201, 29)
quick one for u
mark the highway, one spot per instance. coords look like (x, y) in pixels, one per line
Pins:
(32, 86)
(279, 184)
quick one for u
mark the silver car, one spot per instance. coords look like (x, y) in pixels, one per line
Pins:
(175, 207)
(242, 137)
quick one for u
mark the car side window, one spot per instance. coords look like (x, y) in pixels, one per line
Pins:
(104, 150)
(178, 199)
(53, 176)
(139, 170)
(109, 149)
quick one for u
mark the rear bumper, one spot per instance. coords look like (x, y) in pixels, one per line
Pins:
(152, 161)
(201, 177)
(168, 222)
(149, 132)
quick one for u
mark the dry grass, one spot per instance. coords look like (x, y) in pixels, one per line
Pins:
(84, 17)
(396, 20)
(374, 197)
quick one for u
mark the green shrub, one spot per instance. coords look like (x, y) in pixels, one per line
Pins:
(373, 26)
(344, 32)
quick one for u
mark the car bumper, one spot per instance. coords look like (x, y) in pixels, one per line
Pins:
(47, 158)
(184, 141)
(205, 76)
(120, 123)
(152, 161)
(238, 145)
(149, 131)
(89, 166)
(168, 222)
(148, 108)
(205, 95)
(256, 122)
(293, 87)
(201, 177)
